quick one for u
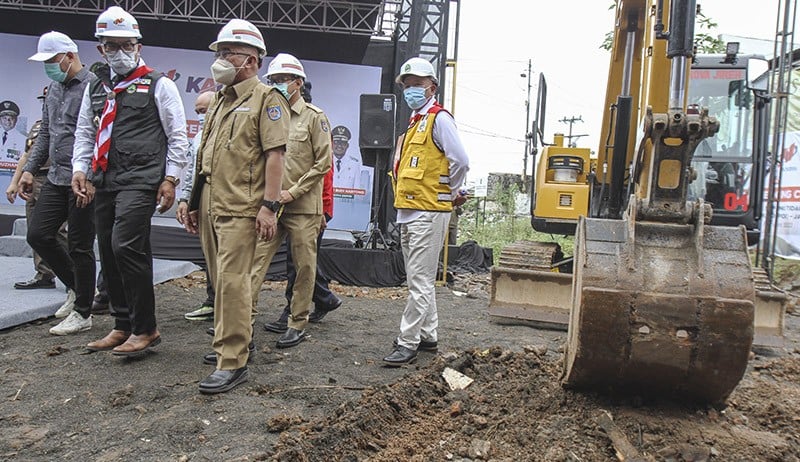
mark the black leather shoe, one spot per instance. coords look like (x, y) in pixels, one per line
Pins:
(424, 345)
(36, 284)
(321, 311)
(281, 325)
(401, 355)
(222, 381)
(291, 338)
(211, 358)
(99, 306)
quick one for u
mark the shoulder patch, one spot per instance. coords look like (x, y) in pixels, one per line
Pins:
(274, 112)
(323, 124)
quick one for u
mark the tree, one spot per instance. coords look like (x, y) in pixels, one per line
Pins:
(704, 41)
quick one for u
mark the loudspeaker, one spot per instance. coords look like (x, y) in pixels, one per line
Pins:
(376, 121)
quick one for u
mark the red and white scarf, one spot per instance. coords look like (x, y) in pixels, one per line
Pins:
(103, 143)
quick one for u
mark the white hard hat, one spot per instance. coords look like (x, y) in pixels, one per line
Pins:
(419, 67)
(241, 31)
(285, 63)
(51, 44)
(116, 22)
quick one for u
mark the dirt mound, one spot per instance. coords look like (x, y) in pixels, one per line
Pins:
(516, 410)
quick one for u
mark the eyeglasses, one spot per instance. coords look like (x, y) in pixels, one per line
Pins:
(225, 53)
(275, 79)
(111, 47)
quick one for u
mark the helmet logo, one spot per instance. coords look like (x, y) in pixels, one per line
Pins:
(407, 68)
(119, 21)
(102, 25)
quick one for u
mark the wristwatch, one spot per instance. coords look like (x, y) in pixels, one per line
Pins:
(173, 180)
(271, 205)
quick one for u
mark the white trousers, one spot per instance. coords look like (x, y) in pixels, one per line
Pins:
(421, 240)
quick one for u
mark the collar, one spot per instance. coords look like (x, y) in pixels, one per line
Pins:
(299, 105)
(238, 89)
(80, 76)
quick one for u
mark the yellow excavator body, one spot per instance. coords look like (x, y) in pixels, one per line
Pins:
(659, 299)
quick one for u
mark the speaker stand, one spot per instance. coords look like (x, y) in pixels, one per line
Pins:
(378, 194)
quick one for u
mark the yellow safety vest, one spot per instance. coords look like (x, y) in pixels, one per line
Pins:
(423, 173)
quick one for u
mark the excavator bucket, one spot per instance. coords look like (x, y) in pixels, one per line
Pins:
(660, 308)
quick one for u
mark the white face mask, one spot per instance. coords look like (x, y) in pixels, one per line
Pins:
(224, 72)
(122, 62)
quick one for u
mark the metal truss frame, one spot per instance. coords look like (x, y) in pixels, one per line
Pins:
(335, 16)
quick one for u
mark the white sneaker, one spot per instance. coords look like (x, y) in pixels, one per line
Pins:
(73, 324)
(68, 305)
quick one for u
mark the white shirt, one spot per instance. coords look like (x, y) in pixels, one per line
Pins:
(188, 176)
(446, 138)
(14, 146)
(173, 121)
(346, 172)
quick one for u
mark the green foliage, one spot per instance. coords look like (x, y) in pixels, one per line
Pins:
(704, 41)
(491, 223)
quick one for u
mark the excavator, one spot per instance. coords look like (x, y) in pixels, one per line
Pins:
(659, 296)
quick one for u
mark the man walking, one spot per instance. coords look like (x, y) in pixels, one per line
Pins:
(308, 159)
(57, 203)
(431, 168)
(138, 152)
(236, 190)
(205, 312)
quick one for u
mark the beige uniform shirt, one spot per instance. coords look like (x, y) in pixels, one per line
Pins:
(308, 158)
(243, 122)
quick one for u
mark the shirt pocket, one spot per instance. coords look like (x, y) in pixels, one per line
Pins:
(409, 183)
(135, 100)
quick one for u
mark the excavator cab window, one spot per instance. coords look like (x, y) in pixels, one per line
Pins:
(723, 164)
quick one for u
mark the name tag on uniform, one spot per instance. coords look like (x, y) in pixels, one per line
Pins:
(242, 109)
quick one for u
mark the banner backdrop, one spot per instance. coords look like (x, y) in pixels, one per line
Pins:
(336, 89)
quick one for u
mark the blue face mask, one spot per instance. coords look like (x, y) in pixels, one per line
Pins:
(53, 70)
(201, 119)
(283, 88)
(415, 97)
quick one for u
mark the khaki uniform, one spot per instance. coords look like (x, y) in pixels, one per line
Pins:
(244, 121)
(308, 159)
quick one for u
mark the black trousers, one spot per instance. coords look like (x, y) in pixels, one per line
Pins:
(323, 298)
(74, 266)
(123, 237)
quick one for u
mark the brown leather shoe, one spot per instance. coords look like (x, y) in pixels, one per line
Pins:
(137, 344)
(113, 339)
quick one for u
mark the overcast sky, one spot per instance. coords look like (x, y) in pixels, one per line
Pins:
(562, 39)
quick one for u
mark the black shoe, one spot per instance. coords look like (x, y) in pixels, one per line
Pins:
(291, 338)
(211, 358)
(281, 325)
(320, 311)
(424, 345)
(99, 306)
(221, 381)
(210, 331)
(401, 355)
(36, 284)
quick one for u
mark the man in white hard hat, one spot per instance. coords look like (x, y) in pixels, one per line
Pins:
(428, 173)
(237, 189)
(12, 141)
(130, 147)
(74, 266)
(308, 160)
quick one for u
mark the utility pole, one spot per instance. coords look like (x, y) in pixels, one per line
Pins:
(527, 129)
(571, 121)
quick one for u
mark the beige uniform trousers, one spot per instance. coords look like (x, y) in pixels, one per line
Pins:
(229, 245)
(302, 230)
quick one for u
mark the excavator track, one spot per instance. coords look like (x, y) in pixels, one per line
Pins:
(660, 308)
(525, 289)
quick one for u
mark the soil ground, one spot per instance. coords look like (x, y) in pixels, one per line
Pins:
(330, 399)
